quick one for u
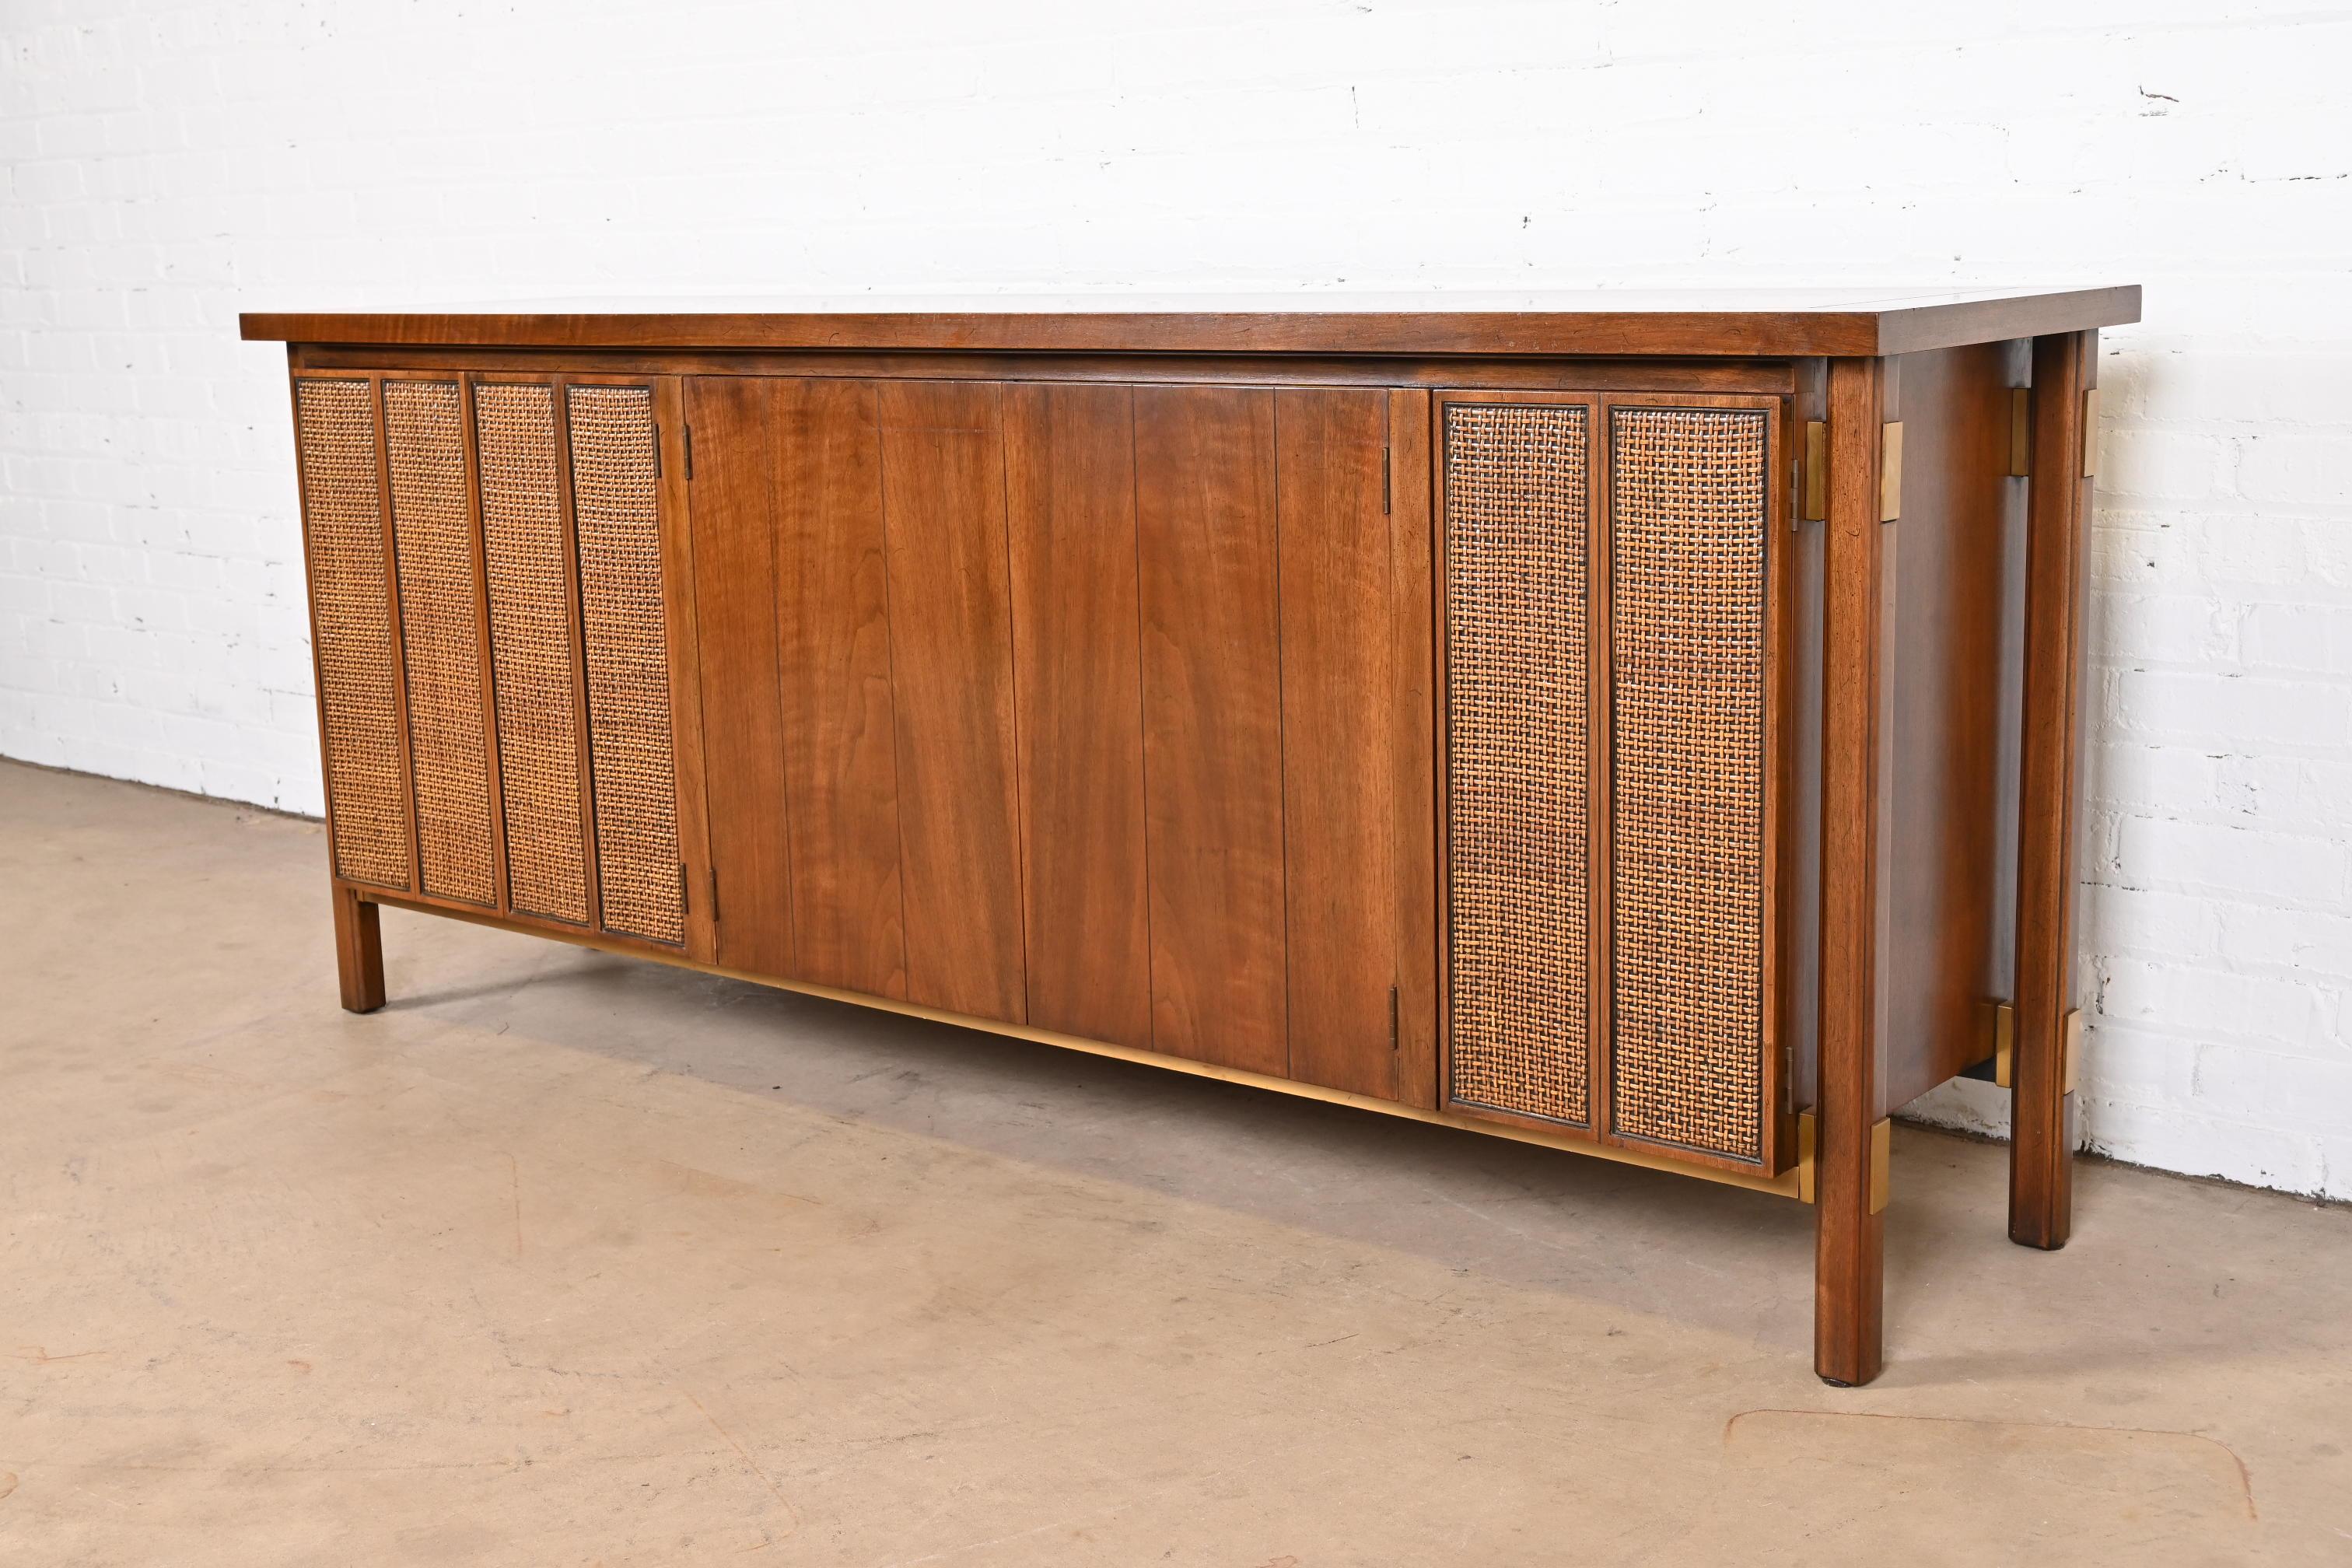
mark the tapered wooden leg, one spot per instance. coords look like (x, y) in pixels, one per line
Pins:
(1857, 730)
(359, 953)
(2042, 1153)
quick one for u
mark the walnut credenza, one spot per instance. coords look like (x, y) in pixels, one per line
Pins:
(1648, 729)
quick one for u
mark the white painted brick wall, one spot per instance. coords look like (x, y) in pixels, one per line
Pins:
(170, 163)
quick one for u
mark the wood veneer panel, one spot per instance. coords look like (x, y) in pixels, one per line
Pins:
(951, 684)
(1069, 457)
(1204, 472)
(841, 765)
(1763, 322)
(1960, 594)
(1338, 740)
(736, 597)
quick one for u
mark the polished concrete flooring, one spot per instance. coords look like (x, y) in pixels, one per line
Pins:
(565, 1259)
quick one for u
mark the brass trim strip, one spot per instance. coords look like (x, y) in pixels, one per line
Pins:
(1794, 1183)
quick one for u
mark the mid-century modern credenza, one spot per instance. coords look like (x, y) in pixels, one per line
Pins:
(1647, 728)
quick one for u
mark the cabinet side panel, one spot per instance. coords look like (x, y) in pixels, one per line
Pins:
(1338, 740)
(841, 765)
(1518, 522)
(1960, 606)
(616, 516)
(1070, 498)
(350, 620)
(1212, 723)
(746, 753)
(1688, 513)
(530, 649)
(433, 538)
(951, 687)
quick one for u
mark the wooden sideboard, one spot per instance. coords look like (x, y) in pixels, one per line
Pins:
(1643, 727)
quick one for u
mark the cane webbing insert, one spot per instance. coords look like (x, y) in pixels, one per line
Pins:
(612, 509)
(530, 649)
(1517, 514)
(1687, 515)
(433, 539)
(334, 424)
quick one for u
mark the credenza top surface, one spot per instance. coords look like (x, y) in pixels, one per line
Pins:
(1752, 324)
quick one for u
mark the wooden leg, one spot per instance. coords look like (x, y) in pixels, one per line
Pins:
(1857, 730)
(2042, 1153)
(359, 951)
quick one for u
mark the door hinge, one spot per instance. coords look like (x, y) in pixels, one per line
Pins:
(1814, 494)
(714, 895)
(657, 473)
(1384, 481)
(1890, 471)
(685, 899)
(1392, 1017)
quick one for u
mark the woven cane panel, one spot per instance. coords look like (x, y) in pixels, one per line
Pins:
(433, 539)
(628, 659)
(530, 649)
(334, 422)
(1687, 632)
(1515, 545)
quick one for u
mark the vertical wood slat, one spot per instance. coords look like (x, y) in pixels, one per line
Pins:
(737, 594)
(1339, 748)
(1070, 496)
(624, 658)
(352, 630)
(534, 654)
(678, 601)
(1211, 675)
(437, 572)
(1414, 696)
(952, 687)
(840, 756)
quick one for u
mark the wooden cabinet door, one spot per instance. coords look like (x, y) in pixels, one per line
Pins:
(502, 624)
(857, 684)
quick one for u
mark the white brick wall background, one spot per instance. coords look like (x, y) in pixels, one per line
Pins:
(171, 163)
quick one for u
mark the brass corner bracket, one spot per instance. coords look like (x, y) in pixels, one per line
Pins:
(1882, 1160)
(2005, 1051)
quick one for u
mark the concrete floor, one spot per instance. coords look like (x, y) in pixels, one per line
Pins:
(566, 1259)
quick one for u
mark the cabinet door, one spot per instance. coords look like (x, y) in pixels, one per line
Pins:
(1608, 814)
(495, 617)
(856, 653)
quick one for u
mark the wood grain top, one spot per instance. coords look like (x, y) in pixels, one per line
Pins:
(1749, 323)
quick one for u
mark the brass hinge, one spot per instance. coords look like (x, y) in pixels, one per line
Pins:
(2090, 432)
(1882, 1162)
(1808, 1170)
(2020, 432)
(1384, 481)
(1890, 470)
(1816, 496)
